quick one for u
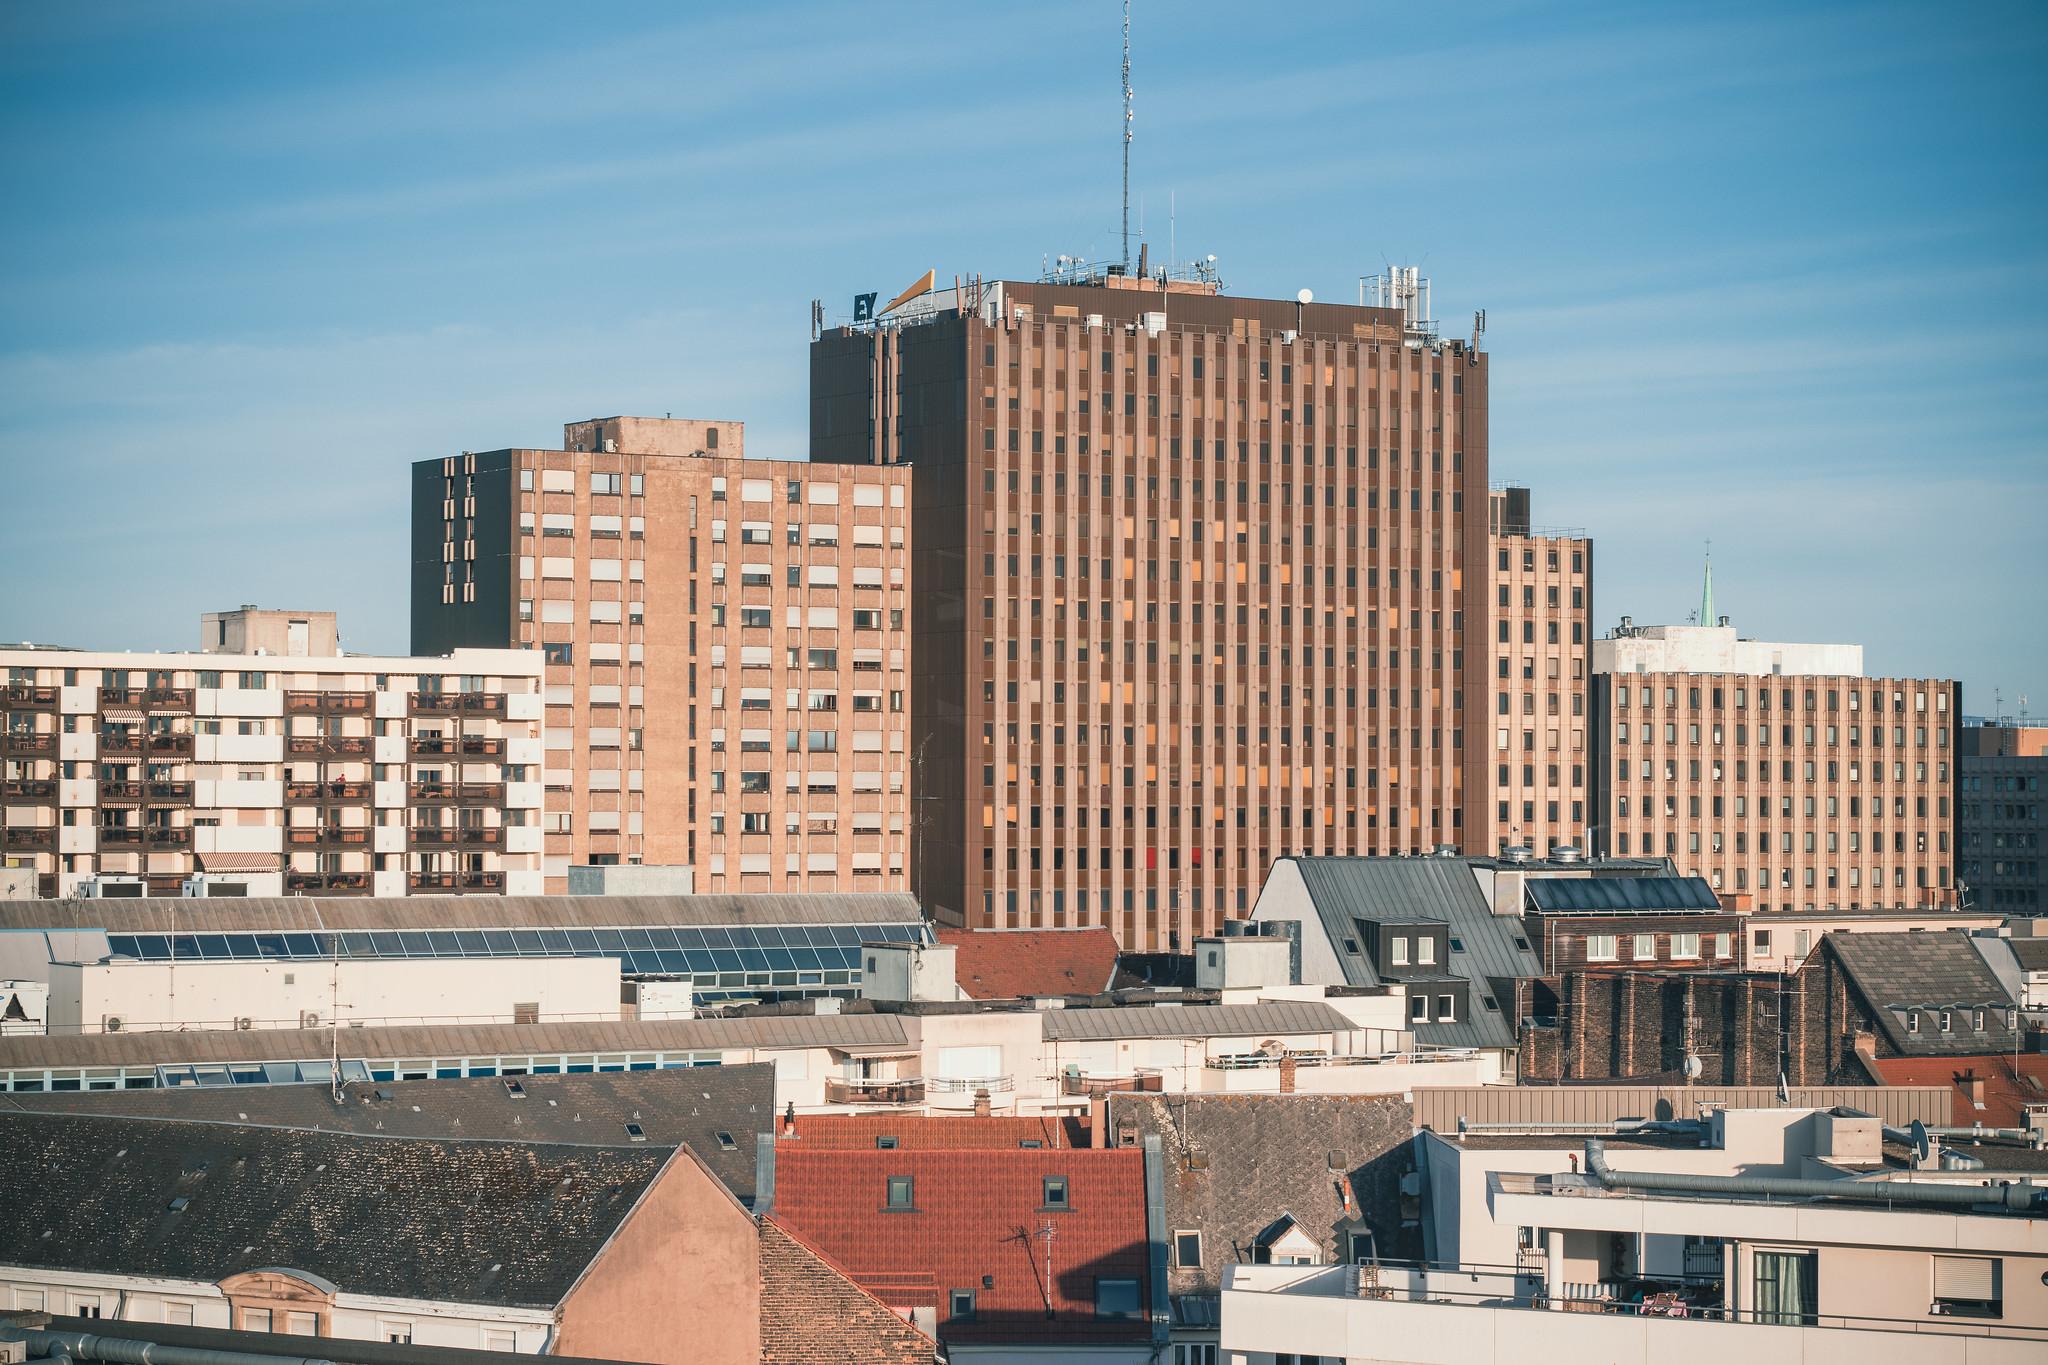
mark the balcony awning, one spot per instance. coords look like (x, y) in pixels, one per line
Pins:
(238, 862)
(125, 714)
(877, 1051)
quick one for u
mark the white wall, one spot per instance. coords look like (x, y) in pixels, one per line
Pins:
(158, 995)
(1716, 649)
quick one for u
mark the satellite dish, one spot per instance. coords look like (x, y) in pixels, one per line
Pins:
(1692, 1068)
(1306, 296)
(1919, 1131)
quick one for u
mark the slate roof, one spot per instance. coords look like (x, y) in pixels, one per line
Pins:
(451, 1040)
(2031, 953)
(2010, 1084)
(1425, 890)
(975, 1214)
(685, 1106)
(456, 1222)
(1195, 1021)
(1569, 895)
(1004, 964)
(857, 1132)
(1896, 973)
(1264, 1155)
(228, 914)
(813, 1314)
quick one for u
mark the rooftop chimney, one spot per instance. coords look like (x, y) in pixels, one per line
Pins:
(981, 1103)
(1973, 1086)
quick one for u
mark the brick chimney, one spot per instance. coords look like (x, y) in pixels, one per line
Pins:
(1972, 1085)
(981, 1109)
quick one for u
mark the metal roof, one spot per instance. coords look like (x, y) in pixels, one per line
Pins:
(1609, 894)
(1425, 890)
(228, 914)
(1195, 1021)
(449, 1040)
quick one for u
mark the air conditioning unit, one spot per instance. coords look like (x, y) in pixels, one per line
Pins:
(112, 1023)
(309, 1018)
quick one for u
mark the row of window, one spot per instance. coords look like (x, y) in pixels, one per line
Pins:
(1648, 735)
(1648, 699)
(1643, 947)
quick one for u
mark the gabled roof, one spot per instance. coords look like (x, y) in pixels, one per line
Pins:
(2010, 1084)
(913, 1132)
(231, 914)
(1900, 973)
(690, 1105)
(1000, 964)
(1195, 1021)
(459, 1222)
(1424, 890)
(813, 1313)
(1566, 895)
(976, 1214)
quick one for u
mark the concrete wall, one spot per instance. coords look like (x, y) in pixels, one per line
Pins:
(629, 879)
(1717, 649)
(150, 996)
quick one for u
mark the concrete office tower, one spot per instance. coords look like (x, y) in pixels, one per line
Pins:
(1190, 574)
(1531, 789)
(1744, 763)
(268, 775)
(723, 642)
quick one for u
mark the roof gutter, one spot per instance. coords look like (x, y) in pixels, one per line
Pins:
(2021, 1198)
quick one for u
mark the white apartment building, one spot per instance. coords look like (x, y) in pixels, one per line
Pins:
(261, 774)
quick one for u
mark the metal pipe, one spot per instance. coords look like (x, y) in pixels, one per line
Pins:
(2020, 1198)
(1689, 1126)
(84, 1346)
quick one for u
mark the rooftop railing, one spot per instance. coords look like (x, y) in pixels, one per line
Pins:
(903, 1090)
(1250, 1061)
(967, 1085)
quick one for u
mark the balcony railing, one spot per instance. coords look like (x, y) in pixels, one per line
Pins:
(29, 789)
(120, 696)
(458, 703)
(447, 835)
(1248, 1061)
(28, 694)
(968, 1085)
(176, 792)
(170, 744)
(1074, 1081)
(328, 791)
(31, 837)
(119, 834)
(120, 791)
(469, 746)
(167, 698)
(458, 793)
(328, 883)
(21, 742)
(907, 1090)
(169, 836)
(113, 742)
(327, 836)
(457, 882)
(334, 703)
(330, 746)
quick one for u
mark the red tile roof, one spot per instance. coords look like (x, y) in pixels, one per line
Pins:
(2006, 1091)
(1001, 964)
(974, 1226)
(812, 1314)
(915, 1132)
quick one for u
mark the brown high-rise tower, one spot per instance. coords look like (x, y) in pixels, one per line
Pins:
(1192, 581)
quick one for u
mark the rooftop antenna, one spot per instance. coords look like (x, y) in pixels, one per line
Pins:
(1127, 137)
(1707, 593)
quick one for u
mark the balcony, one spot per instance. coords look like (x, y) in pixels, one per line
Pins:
(327, 883)
(457, 793)
(175, 793)
(328, 836)
(120, 696)
(329, 746)
(469, 746)
(21, 742)
(328, 791)
(119, 834)
(31, 837)
(968, 1085)
(167, 698)
(1258, 1061)
(29, 789)
(114, 742)
(907, 1090)
(1094, 1084)
(457, 883)
(28, 694)
(449, 837)
(332, 703)
(120, 791)
(170, 744)
(169, 836)
(458, 703)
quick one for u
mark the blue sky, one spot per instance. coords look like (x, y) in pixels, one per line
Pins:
(1767, 274)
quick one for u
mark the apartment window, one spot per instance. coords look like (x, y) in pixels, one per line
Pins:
(85, 1305)
(1055, 1193)
(499, 1340)
(1116, 1300)
(1195, 1353)
(1397, 952)
(178, 1314)
(1446, 1008)
(1644, 947)
(255, 1319)
(303, 1324)
(605, 483)
(397, 1333)
(1602, 948)
(1187, 1249)
(963, 1305)
(902, 1192)
(1685, 945)
(1787, 1284)
(1425, 952)
(1968, 1286)
(1418, 1009)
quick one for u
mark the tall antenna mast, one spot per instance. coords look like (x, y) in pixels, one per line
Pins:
(1127, 137)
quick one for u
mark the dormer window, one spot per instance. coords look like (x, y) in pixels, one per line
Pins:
(1425, 951)
(1397, 952)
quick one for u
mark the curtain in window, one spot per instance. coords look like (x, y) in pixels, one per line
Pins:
(1786, 1285)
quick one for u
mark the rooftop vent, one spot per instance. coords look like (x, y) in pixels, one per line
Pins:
(1521, 853)
(1565, 853)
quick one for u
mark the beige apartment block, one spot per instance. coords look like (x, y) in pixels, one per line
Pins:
(1530, 784)
(252, 630)
(1192, 576)
(724, 645)
(349, 775)
(1809, 792)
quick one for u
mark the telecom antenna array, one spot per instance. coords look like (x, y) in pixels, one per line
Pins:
(1127, 137)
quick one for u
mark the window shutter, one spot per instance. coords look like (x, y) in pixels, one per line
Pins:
(1966, 1277)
